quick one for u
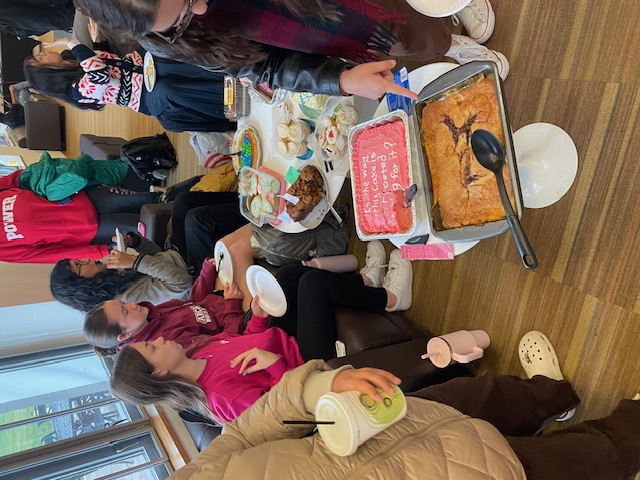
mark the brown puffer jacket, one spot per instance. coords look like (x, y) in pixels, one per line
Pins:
(433, 441)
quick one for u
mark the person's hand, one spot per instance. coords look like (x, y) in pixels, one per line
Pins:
(117, 259)
(231, 290)
(365, 380)
(256, 309)
(212, 261)
(128, 239)
(262, 358)
(372, 80)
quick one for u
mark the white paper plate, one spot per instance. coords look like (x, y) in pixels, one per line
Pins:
(438, 8)
(224, 265)
(547, 162)
(149, 72)
(270, 295)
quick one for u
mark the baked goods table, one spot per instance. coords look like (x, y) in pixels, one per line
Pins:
(263, 119)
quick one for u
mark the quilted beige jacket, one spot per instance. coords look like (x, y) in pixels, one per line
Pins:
(433, 442)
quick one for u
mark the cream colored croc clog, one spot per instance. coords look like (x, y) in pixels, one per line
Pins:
(538, 357)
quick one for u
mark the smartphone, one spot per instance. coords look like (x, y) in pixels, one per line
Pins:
(120, 245)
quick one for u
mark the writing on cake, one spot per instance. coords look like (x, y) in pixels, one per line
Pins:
(381, 179)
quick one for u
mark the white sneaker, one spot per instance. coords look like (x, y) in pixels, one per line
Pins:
(468, 50)
(374, 263)
(478, 20)
(399, 280)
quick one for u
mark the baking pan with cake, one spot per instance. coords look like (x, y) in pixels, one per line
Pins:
(381, 174)
(464, 204)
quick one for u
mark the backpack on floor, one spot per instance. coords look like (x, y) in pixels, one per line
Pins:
(150, 158)
(279, 248)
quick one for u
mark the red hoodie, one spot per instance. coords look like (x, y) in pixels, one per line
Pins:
(36, 230)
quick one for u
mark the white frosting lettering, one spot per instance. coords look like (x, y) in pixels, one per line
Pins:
(8, 219)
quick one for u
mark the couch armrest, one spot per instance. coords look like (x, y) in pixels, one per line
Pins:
(403, 360)
(44, 122)
(155, 218)
(362, 330)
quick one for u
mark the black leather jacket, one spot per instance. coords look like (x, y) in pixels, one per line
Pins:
(287, 69)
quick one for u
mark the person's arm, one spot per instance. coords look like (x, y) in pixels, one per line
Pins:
(296, 71)
(142, 245)
(95, 81)
(11, 181)
(165, 280)
(205, 282)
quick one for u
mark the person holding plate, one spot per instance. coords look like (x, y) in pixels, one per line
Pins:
(220, 376)
(154, 275)
(184, 97)
(112, 324)
(292, 44)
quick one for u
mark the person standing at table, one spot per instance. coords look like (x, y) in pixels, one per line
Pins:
(292, 44)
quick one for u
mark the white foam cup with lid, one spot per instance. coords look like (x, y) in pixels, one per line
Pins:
(357, 417)
(462, 346)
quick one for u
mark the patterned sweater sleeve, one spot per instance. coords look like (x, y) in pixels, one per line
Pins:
(94, 83)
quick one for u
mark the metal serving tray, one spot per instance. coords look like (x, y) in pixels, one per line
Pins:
(452, 81)
(354, 133)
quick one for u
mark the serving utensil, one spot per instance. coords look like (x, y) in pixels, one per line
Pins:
(333, 210)
(487, 149)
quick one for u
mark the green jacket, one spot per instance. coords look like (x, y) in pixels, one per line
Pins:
(59, 178)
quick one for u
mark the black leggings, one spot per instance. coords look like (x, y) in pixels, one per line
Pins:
(199, 220)
(312, 297)
(117, 207)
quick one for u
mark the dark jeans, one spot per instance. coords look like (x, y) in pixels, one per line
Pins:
(199, 220)
(607, 448)
(312, 297)
(117, 207)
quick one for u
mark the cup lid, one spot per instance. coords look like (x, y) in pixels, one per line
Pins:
(341, 437)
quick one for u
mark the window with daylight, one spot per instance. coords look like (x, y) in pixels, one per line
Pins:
(58, 421)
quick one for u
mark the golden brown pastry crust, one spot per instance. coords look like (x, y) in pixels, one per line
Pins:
(465, 192)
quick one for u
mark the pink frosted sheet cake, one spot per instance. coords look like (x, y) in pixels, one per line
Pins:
(381, 179)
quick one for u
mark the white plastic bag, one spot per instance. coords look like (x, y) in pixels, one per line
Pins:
(212, 148)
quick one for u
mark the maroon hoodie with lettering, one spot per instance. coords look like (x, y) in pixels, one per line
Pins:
(36, 230)
(205, 313)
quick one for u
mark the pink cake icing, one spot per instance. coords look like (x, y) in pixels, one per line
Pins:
(381, 179)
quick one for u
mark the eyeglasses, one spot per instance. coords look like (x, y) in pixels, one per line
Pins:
(176, 31)
(79, 264)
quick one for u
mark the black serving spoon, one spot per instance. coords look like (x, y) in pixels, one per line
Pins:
(487, 149)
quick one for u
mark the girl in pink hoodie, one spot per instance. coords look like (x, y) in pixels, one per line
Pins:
(221, 376)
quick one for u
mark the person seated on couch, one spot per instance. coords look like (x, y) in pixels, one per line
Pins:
(112, 324)
(154, 276)
(313, 295)
(37, 230)
(220, 376)
(468, 427)
(184, 97)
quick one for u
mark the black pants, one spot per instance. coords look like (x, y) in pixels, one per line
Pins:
(117, 207)
(186, 98)
(603, 449)
(312, 297)
(199, 220)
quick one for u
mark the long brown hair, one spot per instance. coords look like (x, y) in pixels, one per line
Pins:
(212, 45)
(132, 381)
(99, 331)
